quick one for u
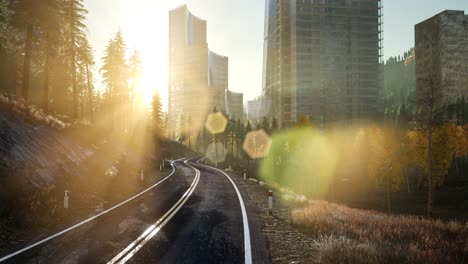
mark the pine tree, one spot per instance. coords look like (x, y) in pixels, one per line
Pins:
(181, 128)
(5, 16)
(230, 132)
(274, 125)
(86, 59)
(25, 20)
(114, 73)
(184, 133)
(248, 129)
(107, 72)
(157, 114)
(239, 136)
(75, 14)
(135, 70)
(265, 125)
(108, 67)
(50, 20)
(205, 139)
(120, 66)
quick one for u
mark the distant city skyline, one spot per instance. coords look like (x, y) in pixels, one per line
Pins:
(235, 30)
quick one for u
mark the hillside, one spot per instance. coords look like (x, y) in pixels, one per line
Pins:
(39, 160)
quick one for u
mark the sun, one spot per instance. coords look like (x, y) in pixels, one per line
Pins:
(150, 42)
(147, 94)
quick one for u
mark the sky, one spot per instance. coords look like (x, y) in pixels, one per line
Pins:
(235, 29)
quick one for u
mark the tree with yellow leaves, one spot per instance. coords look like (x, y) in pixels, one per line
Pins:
(385, 164)
(441, 153)
(461, 145)
(432, 114)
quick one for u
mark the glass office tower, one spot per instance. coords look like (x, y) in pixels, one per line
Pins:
(188, 70)
(322, 60)
(218, 78)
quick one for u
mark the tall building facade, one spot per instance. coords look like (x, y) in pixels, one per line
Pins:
(322, 59)
(198, 77)
(218, 79)
(257, 109)
(188, 69)
(234, 104)
(441, 47)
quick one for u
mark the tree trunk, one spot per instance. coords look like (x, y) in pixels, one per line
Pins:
(131, 112)
(27, 62)
(232, 146)
(430, 187)
(133, 98)
(90, 96)
(466, 164)
(73, 62)
(81, 104)
(45, 92)
(74, 88)
(419, 179)
(389, 208)
(407, 179)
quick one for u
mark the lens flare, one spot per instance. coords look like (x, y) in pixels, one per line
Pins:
(257, 144)
(301, 159)
(216, 123)
(216, 152)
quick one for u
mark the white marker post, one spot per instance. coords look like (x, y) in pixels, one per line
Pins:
(142, 176)
(270, 201)
(65, 200)
(245, 175)
(160, 167)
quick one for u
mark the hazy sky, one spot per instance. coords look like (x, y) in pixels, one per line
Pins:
(235, 29)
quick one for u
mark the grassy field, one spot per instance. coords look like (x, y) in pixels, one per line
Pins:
(347, 235)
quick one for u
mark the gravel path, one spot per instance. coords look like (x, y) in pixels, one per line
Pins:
(286, 243)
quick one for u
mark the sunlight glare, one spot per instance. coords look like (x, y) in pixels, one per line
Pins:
(150, 41)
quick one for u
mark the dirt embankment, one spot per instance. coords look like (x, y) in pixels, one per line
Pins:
(39, 161)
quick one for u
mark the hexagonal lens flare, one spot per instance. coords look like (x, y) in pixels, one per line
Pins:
(216, 152)
(257, 144)
(216, 123)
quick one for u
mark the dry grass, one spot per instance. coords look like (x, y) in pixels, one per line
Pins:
(347, 235)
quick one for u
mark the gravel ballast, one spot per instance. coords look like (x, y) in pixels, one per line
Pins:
(286, 243)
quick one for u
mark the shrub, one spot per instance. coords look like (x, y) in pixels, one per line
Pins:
(375, 237)
(332, 249)
(31, 112)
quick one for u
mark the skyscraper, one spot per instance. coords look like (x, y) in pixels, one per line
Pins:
(218, 78)
(198, 77)
(188, 70)
(322, 59)
(441, 46)
(235, 104)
